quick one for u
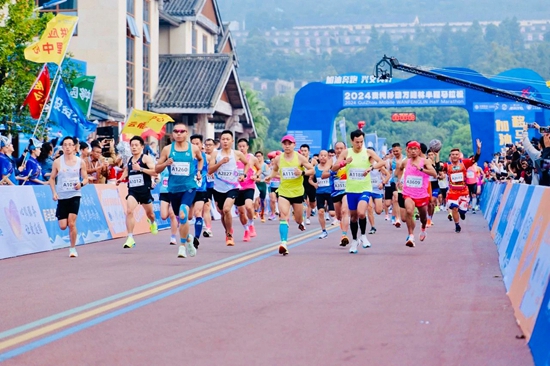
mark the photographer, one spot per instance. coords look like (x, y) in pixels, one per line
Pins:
(541, 158)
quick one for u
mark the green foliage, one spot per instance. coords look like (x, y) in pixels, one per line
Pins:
(258, 111)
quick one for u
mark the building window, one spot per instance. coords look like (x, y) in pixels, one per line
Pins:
(131, 35)
(146, 54)
(204, 44)
(70, 7)
(194, 40)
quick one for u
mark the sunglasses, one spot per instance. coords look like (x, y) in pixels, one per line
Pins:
(179, 131)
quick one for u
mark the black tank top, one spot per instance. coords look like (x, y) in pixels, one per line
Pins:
(138, 182)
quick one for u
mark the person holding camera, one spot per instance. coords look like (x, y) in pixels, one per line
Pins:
(540, 158)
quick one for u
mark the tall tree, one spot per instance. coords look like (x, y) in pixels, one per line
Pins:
(258, 111)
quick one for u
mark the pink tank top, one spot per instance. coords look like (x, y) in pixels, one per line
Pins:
(471, 175)
(249, 182)
(415, 182)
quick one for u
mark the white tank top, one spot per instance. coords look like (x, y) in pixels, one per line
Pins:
(67, 179)
(226, 177)
(376, 179)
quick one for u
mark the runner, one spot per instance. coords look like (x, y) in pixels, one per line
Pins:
(201, 196)
(291, 166)
(434, 184)
(379, 178)
(182, 184)
(259, 205)
(323, 186)
(166, 210)
(472, 179)
(458, 195)
(414, 172)
(397, 157)
(443, 184)
(358, 189)
(209, 145)
(273, 186)
(223, 164)
(309, 191)
(139, 170)
(339, 196)
(66, 181)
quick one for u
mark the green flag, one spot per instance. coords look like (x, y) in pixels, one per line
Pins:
(83, 92)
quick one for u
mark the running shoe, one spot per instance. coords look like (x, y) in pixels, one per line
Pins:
(207, 233)
(323, 235)
(173, 241)
(393, 220)
(190, 247)
(365, 242)
(429, 223)
(283, 249)
(474, 210)
(436, 208)
(272, 218)
(387, 218)
(462, 215)
(229, 240)
(301, 227)
(457, 228)
(252, 231)
(182, 253)
(246, 236)
(417, 217)
(130, 243)
(423, 235)
(196, 242)
(450, 217)
(397, 224)
(372, 231)
(153, 227)
(262, 218)
(73, 253)
(344, 241)
(353, 249)
(410, 241)
(308, 222)
(335, 222)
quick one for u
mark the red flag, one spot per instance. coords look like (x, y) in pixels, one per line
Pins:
(38, 95)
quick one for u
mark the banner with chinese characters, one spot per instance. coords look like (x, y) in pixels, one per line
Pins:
(509, 126)
(82, 93)
(91, 224)
(22, 230)
(54, 41)
(139, 121)
(403, 98)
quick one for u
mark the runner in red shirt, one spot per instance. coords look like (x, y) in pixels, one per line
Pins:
(458, 196)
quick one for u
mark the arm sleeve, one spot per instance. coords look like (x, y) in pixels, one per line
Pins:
(533, 153)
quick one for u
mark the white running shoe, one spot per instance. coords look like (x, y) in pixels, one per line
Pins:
(182, 253)
(353, 249)
(335, 222)
(190, 247)
(323, 235)
(410, 241)
(365, 242)
(308, 222)
(73, 253)
(423, 235)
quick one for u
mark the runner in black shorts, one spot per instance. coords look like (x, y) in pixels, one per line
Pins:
(309, 190)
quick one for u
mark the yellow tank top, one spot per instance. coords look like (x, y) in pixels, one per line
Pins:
(291, 185)
(356, 182)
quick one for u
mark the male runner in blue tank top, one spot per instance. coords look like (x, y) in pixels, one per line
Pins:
(181, 182)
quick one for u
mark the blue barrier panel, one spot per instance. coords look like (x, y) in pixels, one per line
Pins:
(499, 191)
(162, 224)
(540, 339)
(486, 195)
(91, 224)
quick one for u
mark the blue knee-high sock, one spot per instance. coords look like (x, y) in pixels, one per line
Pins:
(283, 230)
(198, 227)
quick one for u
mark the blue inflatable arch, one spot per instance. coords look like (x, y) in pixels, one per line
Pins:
(317, 104)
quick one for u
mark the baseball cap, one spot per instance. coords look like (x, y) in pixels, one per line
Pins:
(288, 138)
(413, 144)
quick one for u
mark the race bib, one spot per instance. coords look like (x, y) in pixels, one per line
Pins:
(209, 178)
(470, 174)
(339, 185)
(180, 168)
(323, 182)
(241, 171)
(165, 182)
(413, 181)
(356, 174)
(457, 177)
(68, 184)
(375, 181)
(288, 173)
(275, 183)
(135, 181)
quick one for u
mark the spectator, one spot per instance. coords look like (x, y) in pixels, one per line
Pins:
(84, 150)
(96, 165)
(7, 166)
(45, 159)
(32, 172)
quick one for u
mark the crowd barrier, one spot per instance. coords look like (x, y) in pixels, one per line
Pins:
(519, 220)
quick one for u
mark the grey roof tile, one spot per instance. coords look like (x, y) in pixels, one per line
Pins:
(182, 8)
(191, 81)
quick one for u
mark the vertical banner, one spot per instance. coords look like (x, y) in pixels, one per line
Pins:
(113, 209)
(22, 230)
(343, 133)
(509, 126)
(371, 140)
(90, 223)
(82, 93)
(382, 147)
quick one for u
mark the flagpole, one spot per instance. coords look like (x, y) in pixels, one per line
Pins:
(52, 90)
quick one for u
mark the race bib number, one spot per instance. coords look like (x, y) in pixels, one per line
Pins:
(375, 181)
(356, 174)
(413, 181)
(339, 185)
(135, 181)
(323, 182)
(68, 184)
(288, 173)
(180, 168)
(165, 182)
(275, 183)
(209, 178)
(241, 171)
(457, 177)
(470, 174)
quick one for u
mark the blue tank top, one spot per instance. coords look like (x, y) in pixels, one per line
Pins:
(182, 171)
(324, 184)
(202, 184)
(164, 180)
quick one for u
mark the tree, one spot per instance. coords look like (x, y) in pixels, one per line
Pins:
(258, 111)
(16, 73)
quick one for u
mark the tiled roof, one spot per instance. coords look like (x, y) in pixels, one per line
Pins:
(182, 8)
(191, 81)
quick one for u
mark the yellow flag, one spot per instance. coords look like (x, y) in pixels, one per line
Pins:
(54, 41)
(548, 83)
(139, 121)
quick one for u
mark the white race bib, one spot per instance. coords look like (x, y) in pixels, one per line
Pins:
(180, 168)
(288, 173)
(209, 178)
(457, 177)
(470, 174)
(356, 174)
(413, 181)
(68, 184)
(135, 181)
(339, 185)
(375, 181)
(323, 182)
(241, 171)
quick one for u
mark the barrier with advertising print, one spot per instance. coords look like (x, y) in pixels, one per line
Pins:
(503, 207)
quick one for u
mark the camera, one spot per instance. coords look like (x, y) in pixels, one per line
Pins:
(509, 145)
(544, 129)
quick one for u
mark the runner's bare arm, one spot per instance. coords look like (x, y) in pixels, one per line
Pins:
(386, 174)
(274, 169)
(379, 162)
(429, 168)
(150, 165)
(55, 171)
(310, 170)
(341, 161)
(200, 160)
(212, 165)
(164, 159)
(243, 159)
(400, 168)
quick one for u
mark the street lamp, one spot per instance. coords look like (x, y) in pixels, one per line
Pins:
(50, 4)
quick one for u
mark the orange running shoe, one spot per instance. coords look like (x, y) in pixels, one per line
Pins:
(229, 240)
(428, 223)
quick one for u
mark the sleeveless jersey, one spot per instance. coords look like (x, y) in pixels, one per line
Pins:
(415, 182)
(138, 182)
(339, 182)
(457, 177)
(471, 175)
(356, 181)
(67, 179)
(226, 177)
(201, 184)
(164, 180)
(324, 184)
(291, 185)
(182, 171)
(248, 182)
(376, 179)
